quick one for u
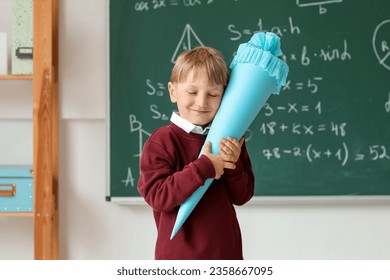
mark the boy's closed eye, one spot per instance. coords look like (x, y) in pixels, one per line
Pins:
(191, 92)
(214, 94)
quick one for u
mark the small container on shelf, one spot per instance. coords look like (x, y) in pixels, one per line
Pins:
(16, 189)
(22, 37)
(3, 54)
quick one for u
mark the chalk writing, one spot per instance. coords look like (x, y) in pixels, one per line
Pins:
(327, 54)
(129, 178)
(387, 104)
(321, 8)
(238, 33)
(188, 40)
(144, 6)
(272, 128)
(381, 43)
(157, 115)
(377, 152)
(310, 84)
(156, 89)
(158, 4)
(311, 153)
(136, 126)
(342, 154)
(141, 6)
(292, 107)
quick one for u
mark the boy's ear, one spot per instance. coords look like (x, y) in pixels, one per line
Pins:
(172, 92)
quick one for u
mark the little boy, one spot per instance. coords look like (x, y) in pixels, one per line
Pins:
(171, 169)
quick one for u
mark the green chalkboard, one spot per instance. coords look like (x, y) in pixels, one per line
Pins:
(327, 133)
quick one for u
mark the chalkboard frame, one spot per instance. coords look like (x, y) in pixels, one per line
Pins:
(280, 199)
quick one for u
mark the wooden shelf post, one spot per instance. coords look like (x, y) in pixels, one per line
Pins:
(45, 115)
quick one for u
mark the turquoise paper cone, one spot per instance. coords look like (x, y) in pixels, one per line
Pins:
(256, 74)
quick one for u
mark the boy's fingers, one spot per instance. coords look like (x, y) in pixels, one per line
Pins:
(242, 140)
(225, 145)
(227, 157)
(233, 143)
(229, 165)
(230, 146)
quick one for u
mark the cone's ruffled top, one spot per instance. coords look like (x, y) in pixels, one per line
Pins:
(263, 50)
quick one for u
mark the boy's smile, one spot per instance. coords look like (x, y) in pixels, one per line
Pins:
(197, 100)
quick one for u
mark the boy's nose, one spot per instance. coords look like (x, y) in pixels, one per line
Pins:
(201, 100)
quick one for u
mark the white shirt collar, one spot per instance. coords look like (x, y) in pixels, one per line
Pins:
(188, 126)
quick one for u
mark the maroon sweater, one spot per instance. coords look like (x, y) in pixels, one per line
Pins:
(170, 172)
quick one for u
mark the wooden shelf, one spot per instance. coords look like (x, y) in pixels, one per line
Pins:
(16, 77)
(45, 115)
(18, 214)
(45, 130)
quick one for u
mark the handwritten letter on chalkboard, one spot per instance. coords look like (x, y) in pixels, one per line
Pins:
(327, 133)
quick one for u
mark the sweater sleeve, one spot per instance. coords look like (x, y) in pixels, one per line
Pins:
(240, 181)
(162, 186)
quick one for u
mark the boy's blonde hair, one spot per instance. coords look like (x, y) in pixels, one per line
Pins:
(201, 58)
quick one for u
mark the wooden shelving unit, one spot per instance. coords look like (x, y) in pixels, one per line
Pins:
(45, 119)
(45, 122)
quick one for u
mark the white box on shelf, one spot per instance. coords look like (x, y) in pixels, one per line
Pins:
(22, 37)
(3, 54)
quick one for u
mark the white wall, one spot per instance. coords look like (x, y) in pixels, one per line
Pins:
(91, 228)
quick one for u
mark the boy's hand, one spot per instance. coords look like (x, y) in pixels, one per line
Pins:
(230, 149)
(218, 161)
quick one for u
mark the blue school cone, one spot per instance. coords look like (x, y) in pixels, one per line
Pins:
(257, 72)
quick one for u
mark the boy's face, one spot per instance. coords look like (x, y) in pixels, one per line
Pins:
(197, 100)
